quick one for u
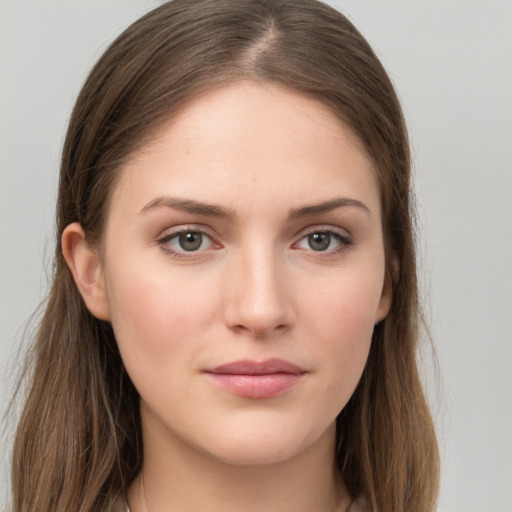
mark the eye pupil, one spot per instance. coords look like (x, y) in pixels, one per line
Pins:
(319, 241)
(190, 241)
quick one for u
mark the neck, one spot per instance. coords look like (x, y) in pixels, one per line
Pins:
(177, 478)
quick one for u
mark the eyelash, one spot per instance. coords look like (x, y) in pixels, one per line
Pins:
(164, 242)
(343, 240)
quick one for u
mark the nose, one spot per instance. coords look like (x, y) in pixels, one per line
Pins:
(259, 301)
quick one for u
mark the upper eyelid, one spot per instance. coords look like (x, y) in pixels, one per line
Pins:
(323, 228)
(184, 228)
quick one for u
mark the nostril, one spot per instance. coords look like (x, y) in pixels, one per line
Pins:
(259, 332)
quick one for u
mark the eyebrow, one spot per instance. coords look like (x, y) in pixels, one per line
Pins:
(332, 204)
(189, 206)
(200, 208)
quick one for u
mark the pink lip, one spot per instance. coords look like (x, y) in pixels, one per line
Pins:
(252, 379)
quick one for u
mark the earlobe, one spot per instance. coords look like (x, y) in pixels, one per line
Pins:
(85, 264)
(386, 297)
(385, 302)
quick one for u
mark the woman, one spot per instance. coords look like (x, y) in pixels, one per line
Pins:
(233, 319)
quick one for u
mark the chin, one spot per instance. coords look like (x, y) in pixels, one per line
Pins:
(255, 452)
(264, 444)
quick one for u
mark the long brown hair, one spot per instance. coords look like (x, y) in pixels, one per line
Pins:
(78, 444)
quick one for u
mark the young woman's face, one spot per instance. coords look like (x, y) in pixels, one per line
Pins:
(243, 265)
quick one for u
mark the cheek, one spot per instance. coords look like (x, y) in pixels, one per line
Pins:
(341, 321)
(156, 314)
(346, 302)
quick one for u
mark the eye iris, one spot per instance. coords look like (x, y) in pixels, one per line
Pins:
(190, 241)
(319, 241)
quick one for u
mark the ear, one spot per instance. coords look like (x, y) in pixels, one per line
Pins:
(386, 297)
(85, 264)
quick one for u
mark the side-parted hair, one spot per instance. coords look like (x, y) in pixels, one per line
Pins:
(78, 444)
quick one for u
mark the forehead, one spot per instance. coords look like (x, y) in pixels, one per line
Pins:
(250, 141)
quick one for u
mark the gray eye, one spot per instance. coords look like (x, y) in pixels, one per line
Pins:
(190, 241)
(186, 241)
(319, 241)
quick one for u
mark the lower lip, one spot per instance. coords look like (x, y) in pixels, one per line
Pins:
(256, 386)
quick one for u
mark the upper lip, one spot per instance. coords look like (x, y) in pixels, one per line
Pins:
(248, 367)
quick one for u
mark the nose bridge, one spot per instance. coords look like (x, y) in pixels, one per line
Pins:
(259, 302)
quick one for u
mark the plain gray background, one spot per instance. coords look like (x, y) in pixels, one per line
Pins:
(451, 63)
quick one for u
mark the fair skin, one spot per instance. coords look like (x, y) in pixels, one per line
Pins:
(248, 230)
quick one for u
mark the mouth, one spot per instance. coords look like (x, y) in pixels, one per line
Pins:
(258, 380)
